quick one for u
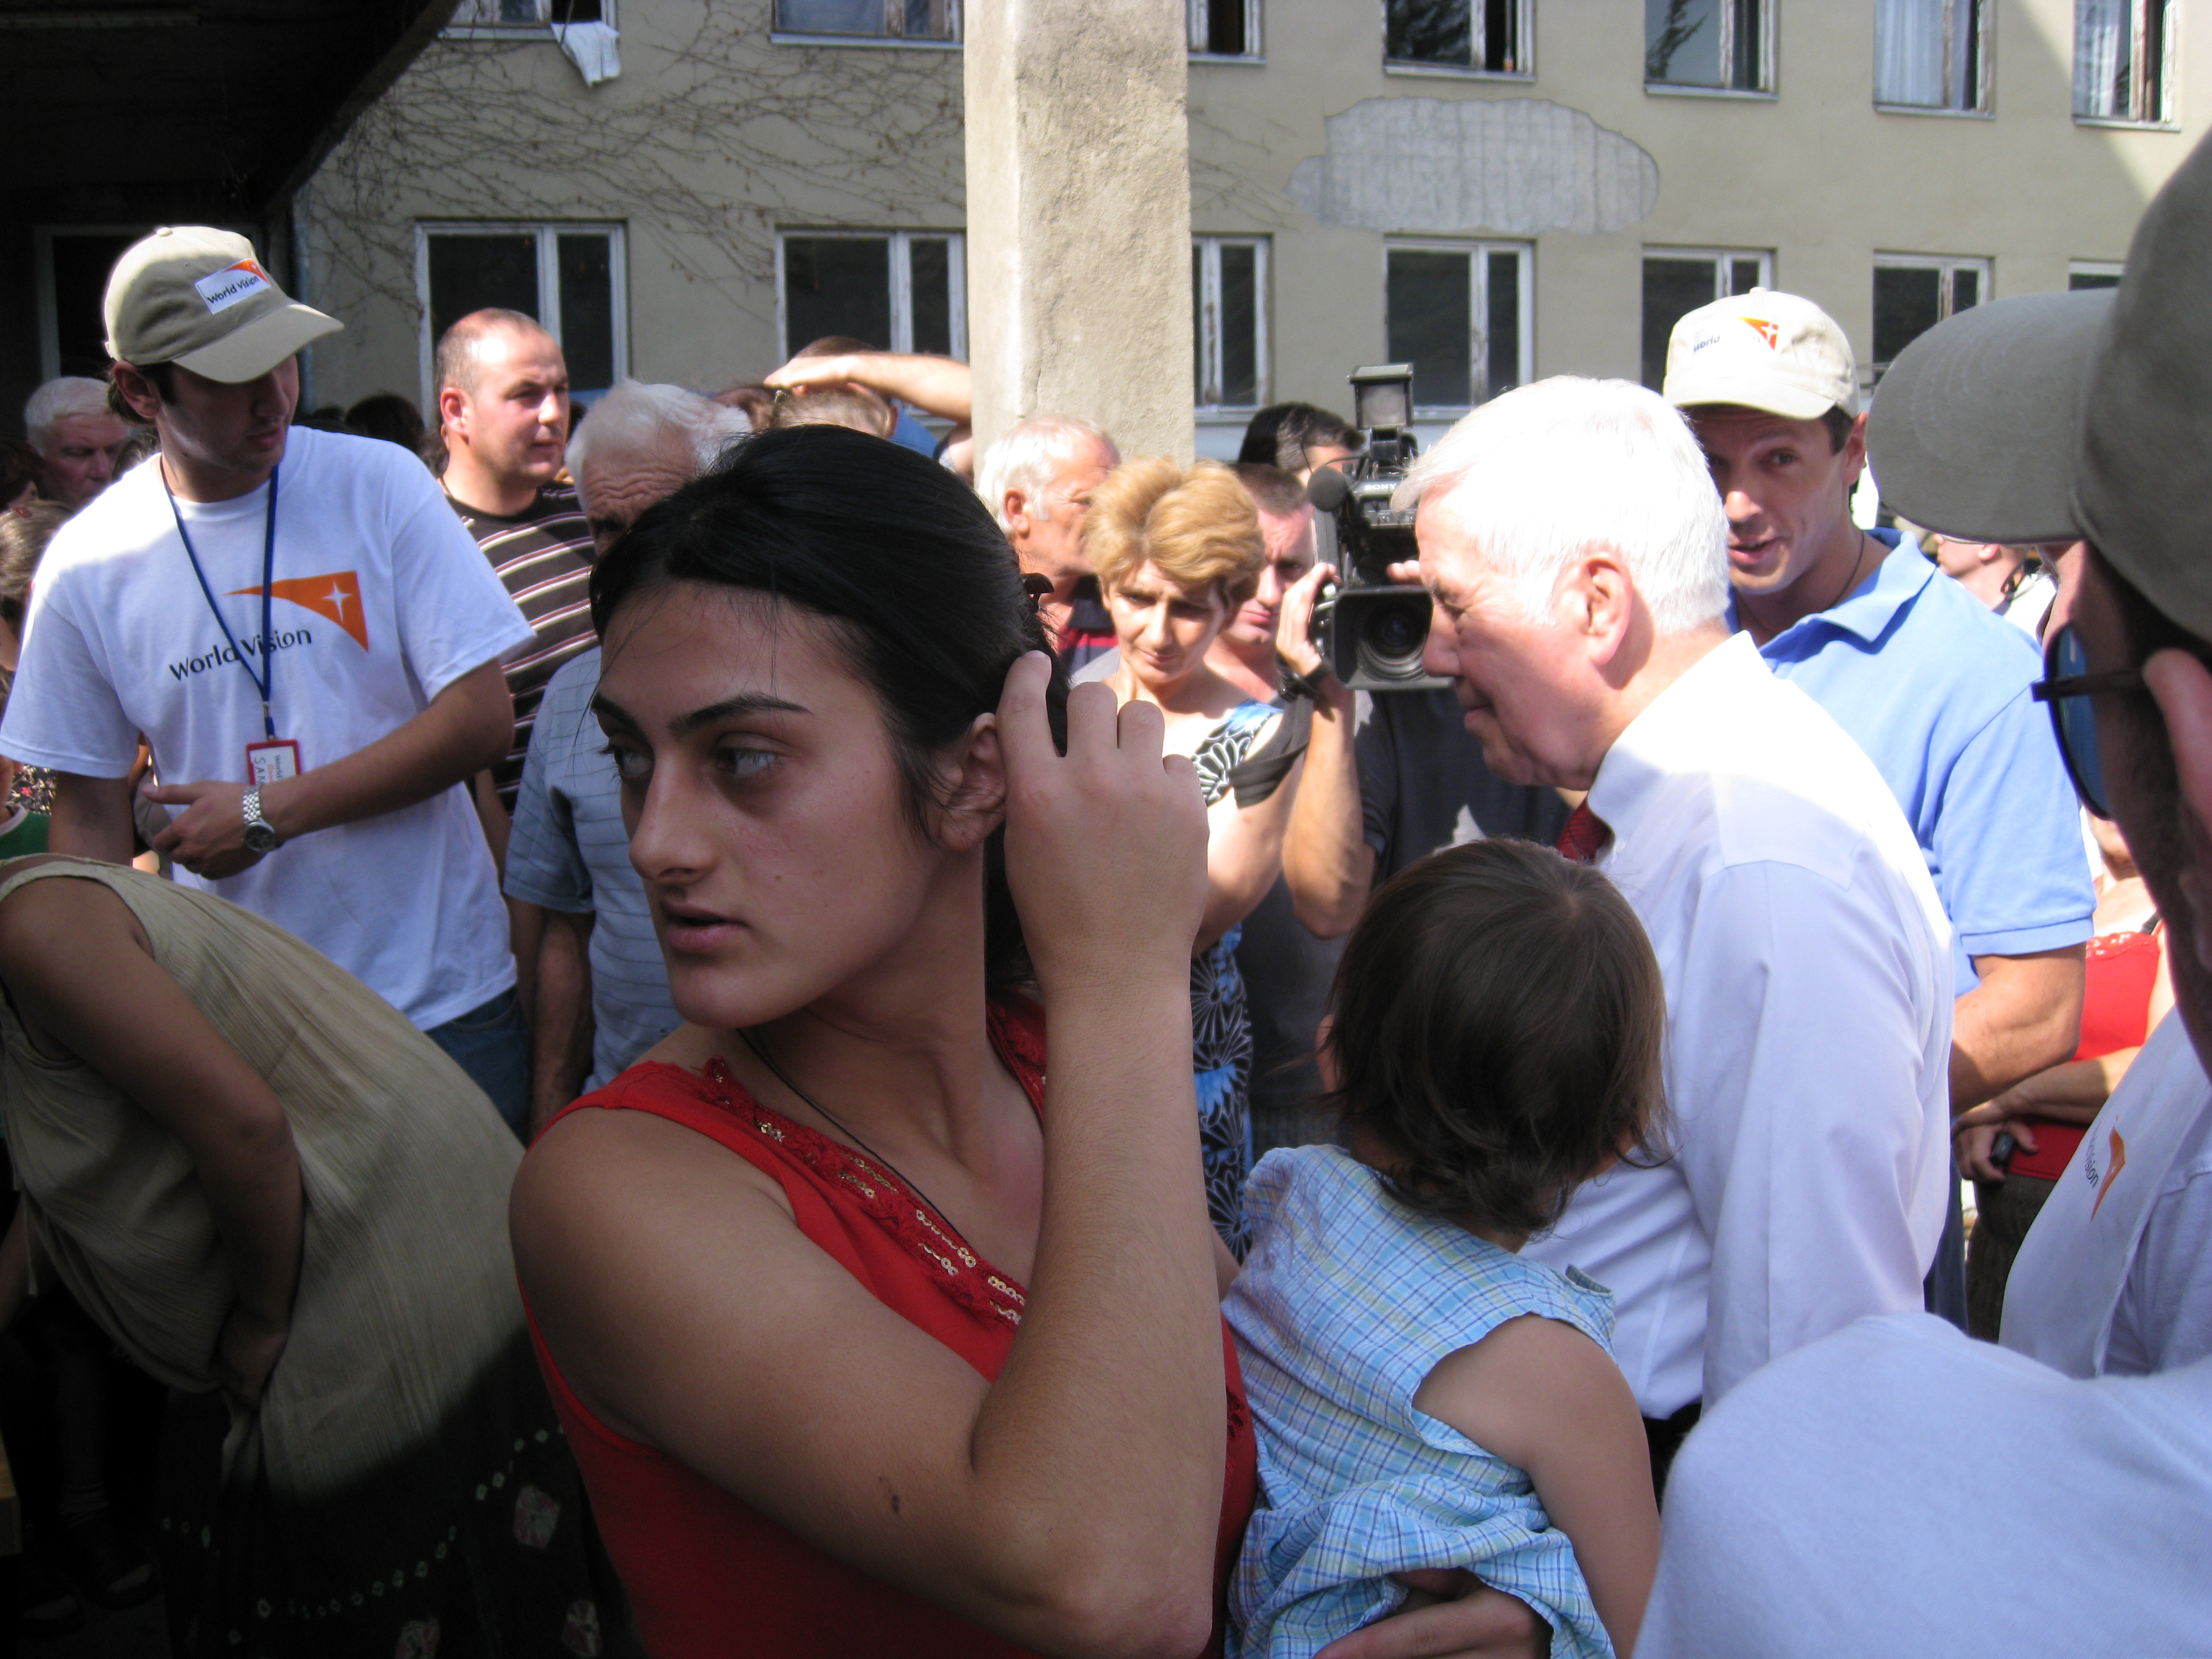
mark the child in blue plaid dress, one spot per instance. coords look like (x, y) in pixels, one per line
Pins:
(1423, 1397)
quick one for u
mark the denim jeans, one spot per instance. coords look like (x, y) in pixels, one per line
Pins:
(492, 1045)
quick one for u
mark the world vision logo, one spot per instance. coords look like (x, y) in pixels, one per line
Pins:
(221, 289)
(2111, 1172)
(336, 596)
(1770, 332)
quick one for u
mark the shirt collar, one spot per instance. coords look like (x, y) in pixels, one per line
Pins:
(1870, 607)
(1674, 733)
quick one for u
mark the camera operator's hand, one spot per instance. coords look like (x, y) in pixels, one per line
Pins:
(1294, 623)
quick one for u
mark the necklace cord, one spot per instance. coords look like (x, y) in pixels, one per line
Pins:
(782, 1076)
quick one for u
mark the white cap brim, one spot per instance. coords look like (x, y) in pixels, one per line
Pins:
(250, 352)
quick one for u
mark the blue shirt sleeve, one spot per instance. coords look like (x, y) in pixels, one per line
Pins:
(544, 866)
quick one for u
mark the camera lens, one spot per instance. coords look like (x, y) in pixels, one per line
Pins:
(1396, 632)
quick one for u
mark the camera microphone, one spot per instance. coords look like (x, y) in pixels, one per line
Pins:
(1328, 488)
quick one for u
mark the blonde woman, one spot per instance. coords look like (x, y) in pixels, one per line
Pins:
(1177, 551)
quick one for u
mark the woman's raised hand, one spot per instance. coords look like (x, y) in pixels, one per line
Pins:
(1105, 845)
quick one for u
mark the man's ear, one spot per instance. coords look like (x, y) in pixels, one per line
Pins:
(975, 802)
(1598, 600)
(453, 410)
(2182, 687)
(1016, 508)
(137, 391)
(1854, 453)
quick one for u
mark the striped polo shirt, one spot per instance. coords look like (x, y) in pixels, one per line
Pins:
(544, 558)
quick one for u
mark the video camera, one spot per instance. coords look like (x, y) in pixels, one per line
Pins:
(1369, 630)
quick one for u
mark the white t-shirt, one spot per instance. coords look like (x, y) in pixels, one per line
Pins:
(1898, 1489)
(381, 601)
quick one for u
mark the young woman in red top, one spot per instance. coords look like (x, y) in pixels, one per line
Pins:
(868, 1338)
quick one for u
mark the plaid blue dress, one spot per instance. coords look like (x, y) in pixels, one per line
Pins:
(1346, 1302)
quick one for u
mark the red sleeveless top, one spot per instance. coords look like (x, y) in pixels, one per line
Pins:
(2122, 973)
(708, 1575)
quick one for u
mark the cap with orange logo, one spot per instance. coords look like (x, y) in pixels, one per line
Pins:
(196, 295)
(1763, 350)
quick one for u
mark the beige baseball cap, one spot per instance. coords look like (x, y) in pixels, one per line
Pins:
(1763, 350)
(196, 295)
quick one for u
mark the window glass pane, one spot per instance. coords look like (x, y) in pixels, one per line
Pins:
(1743, 275)
(470, 271)
(585, 264)
(2100, 58)
(836, 285)
(927, 20)
(1672, 290)
(577, 11)
(830, 16)
(520, 11)
(2081, 279)
(930, 267)
(1428, 31)
(1744, 72)
(2152, 106)
(1431, 323)
(1504, 316)
(1965, 290)
(1198, 342)
(1682, 42)
(1906, 301)
(1224, 28)
(1240, 324)
(1501, 35)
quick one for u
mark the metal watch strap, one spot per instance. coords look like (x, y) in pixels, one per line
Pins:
(251, 804)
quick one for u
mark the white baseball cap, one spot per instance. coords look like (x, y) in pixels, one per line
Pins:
(196, 295)
(1763, 350)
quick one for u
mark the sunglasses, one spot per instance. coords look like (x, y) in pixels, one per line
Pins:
(2070, 689)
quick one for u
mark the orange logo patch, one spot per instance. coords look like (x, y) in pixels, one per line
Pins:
(1770, 332)
(337, 596)
(2119, 1163)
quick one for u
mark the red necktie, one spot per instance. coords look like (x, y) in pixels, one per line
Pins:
(1586, 834)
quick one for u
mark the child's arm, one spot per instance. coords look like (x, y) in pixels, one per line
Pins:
(1547, 1399)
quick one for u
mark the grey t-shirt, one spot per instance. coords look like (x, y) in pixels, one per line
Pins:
(1423, 785)
(570, 852)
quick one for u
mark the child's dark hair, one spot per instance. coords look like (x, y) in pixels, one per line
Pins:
(904, 563)
(1498, 1026)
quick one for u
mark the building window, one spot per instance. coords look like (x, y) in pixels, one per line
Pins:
(479, 16)
(1486, 37)
(900, 290)
(569, 278)
(1459, 313)
(1229, 320)
(1225, 28)
(867, 20)
(1911, 295)
(1723, 45)
(1930, 54)
(1678, 280)
(2122, 60)
(2093, 273)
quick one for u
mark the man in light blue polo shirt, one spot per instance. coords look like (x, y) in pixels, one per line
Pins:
(1932, 685)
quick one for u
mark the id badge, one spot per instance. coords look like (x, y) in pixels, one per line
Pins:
(271, 760)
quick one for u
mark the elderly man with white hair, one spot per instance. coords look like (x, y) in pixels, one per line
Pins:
(78, 436)
(596, 986)
(1037, 481)
(1576, 550)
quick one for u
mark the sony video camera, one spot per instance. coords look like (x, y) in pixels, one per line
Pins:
(1370, 630)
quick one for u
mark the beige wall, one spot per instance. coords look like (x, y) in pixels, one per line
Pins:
(712, 137)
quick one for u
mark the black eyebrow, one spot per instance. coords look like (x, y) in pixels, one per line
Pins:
(746, 702)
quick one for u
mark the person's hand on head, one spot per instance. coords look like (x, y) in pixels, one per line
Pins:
(208, 837)
(802, 372)
(1294, 622)
(1106, 844)
(1450, 1614)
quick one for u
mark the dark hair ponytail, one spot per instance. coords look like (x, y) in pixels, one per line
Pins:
(899, 555)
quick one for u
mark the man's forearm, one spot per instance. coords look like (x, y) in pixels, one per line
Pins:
(2024, 1017)
(937, 385)
(1326, 858)
(563, 1029)
(91, 819)
(467, 726)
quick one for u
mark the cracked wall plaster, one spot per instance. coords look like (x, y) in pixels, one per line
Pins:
(1451, 166)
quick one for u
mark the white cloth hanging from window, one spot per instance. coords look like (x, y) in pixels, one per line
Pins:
(2100, 58)
(1924, 53)
(592, 47)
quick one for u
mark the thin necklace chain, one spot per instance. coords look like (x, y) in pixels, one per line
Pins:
(1850, 577)
(784, 1078)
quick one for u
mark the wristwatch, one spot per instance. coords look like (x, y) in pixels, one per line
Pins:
(260, 834)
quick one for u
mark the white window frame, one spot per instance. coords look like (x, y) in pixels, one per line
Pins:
(1253, 52)
(875, 42)
(2138, 58)
(1949, 265)
(902, 267)
(541, 29)
(1525, 21)
(1767, 60)
(1722, 259)
(1209, 319)
(549, 280)
(1985, 108)
(1477, 342)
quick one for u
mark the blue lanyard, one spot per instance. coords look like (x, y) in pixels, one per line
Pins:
(267, 677)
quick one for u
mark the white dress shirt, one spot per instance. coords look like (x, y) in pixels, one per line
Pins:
(1808, 967)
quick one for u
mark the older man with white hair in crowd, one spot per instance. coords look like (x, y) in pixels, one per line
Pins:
(1037, 481)
(77, 436)
(596, 986)
(1576, 550)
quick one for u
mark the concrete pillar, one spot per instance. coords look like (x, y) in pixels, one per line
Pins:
(1079, 216)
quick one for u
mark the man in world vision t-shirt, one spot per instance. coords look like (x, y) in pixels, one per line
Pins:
(309, 640)
(503, 406)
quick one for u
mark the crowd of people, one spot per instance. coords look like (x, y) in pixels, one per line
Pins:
(730, 1024)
